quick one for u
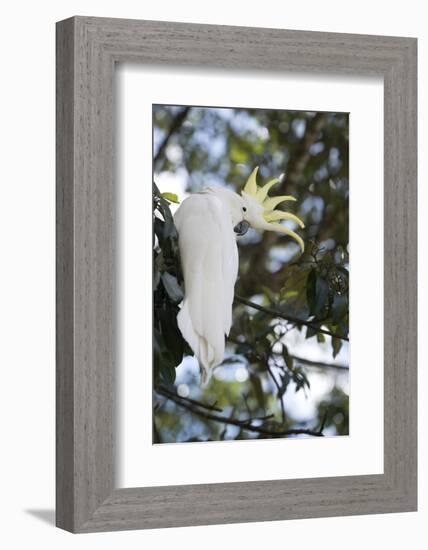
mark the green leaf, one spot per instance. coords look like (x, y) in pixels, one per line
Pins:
(270, 294)
(171, 197)
(293, 291)
(311, 332)
(172, 287)
(171, 334)
(321, 292)
(285, 380)
(167, 372)
(163, 363)
(320, 337)
(156, 191)
(163, 207)
(316, 293)
(339, 308)
(337, 345)
(287, 357)
(159, 229)
(300, 379)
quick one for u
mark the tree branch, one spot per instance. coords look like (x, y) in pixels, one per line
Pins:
(303, 360)
(168, 393)
(278, 388)
(289, 318)
(187, 404)
(318, 364)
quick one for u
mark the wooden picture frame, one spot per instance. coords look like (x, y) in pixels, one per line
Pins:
(87, 50)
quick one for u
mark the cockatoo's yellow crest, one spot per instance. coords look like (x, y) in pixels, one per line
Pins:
(270, 215)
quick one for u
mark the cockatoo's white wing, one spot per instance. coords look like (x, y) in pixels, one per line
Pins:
(209, 260)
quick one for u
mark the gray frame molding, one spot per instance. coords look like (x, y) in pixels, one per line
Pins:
(87, 50)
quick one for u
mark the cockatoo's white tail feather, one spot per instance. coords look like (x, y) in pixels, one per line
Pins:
(209, 259)
(198, 344)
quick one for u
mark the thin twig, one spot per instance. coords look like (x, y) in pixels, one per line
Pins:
(168, 393)
(244, 424)
(323, 421)
(303, 360)
(289, 318)
(318, 364)
(278, 387)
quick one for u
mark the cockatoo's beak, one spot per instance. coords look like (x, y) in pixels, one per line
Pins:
(241, 228)
(266, 217)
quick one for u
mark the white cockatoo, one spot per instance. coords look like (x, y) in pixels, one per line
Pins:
(208, 224)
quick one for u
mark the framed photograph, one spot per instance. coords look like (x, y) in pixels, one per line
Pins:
(236, 274)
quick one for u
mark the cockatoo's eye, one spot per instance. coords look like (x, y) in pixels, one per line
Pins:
(244, 208)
